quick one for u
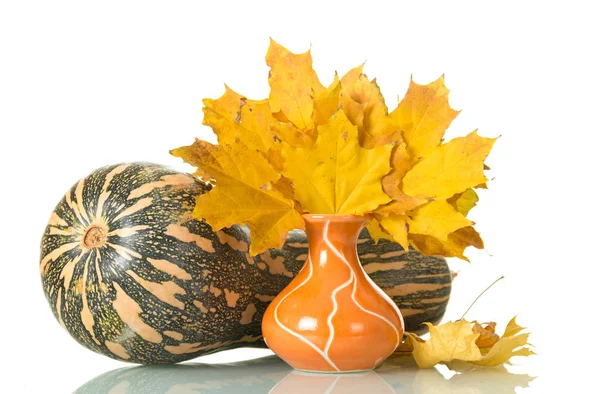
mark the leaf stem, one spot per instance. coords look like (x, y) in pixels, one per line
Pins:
(479, 296)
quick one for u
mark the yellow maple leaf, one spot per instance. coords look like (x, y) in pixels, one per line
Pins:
(234, 117)
(293, 84)
(275, 157)
(454, 246)
(458, 341)
(499, 350)
(243, 193)
(426, 112)
(285, 187)
(291, 135)
(450, 168)
(366, 108)
(401, 163)
(337, 175)
(435, 227)
(329, 150)
(400, 206)
(438, 219)
(465, 201)
(376, 232)
(397, 226)
(350, 78)
(487, 335)
(327, 103)
(351, 108)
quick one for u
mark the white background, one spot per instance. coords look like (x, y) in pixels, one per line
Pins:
(86, 84)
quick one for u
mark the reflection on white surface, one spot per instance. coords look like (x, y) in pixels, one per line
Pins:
(361, 382)
(271, 375)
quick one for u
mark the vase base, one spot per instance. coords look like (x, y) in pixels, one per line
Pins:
(316, 372)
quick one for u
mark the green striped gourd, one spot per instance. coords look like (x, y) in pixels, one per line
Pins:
(130, 274)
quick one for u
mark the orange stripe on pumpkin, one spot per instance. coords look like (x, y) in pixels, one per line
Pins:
(105, 193)
(55, 254)
(118, 349)
(59, 308)
(183, 234)
(129, 311)
(167, 180)
(79, 197)
(138, 206)
(164, 291)
(128, 231)
(170, 268)
(86, 315)
(56, 220)
(124, 252)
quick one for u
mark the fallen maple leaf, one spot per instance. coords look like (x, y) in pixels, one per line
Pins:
(468, 341)
(487, 335)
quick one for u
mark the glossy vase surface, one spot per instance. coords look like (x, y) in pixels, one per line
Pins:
(332, 317)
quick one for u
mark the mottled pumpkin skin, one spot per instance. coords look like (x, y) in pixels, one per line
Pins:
(130, 274)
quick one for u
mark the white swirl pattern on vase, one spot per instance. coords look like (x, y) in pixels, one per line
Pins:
(295, 334)
(353, 277)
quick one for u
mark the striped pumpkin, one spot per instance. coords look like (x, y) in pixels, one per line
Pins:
(130, 274)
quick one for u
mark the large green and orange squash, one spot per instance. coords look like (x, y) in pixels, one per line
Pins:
(129, 273)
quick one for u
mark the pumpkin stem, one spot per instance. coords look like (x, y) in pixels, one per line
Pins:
(94, 237)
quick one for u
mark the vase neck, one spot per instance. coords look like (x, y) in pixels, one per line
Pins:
(331, 237)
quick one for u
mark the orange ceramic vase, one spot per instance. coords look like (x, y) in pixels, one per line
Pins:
(332, 317)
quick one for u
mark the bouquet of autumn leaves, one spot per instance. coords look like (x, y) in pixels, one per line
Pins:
(338, 150)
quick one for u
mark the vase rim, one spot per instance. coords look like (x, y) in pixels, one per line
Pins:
(335, 217)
